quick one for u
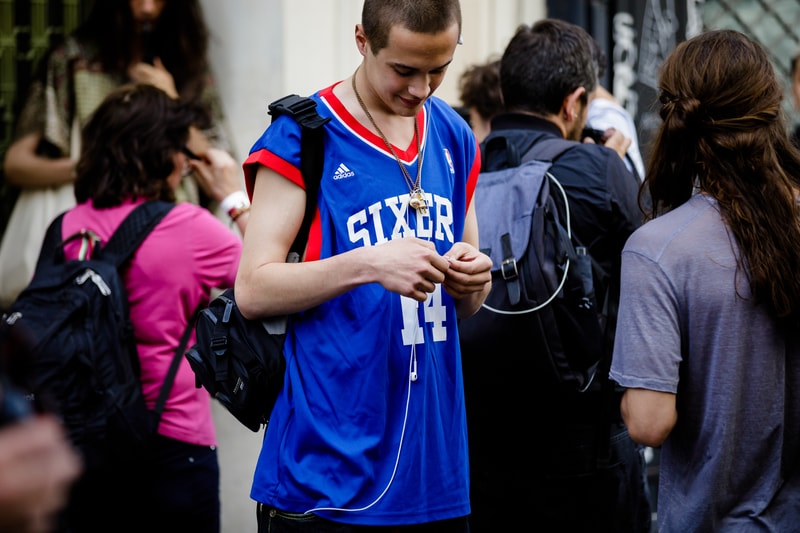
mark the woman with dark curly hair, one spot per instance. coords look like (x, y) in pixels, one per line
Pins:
(134, 149)
(708, 337)
(159, 42)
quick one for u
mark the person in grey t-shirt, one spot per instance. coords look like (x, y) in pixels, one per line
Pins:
(708, 335)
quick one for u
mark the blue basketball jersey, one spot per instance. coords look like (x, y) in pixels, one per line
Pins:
(370, 427)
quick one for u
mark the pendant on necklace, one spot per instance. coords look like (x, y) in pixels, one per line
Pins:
(417, 201)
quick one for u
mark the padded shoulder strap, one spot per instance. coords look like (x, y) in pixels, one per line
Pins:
(133, 230)
(493, 147)
(548, 149)
(510, 149)
(122, 244)
(312, 153)
(499, 150)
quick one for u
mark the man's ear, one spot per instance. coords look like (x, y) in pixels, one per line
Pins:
(361, 40)
(571, 106)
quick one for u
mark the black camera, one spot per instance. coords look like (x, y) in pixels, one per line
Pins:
(597, 136)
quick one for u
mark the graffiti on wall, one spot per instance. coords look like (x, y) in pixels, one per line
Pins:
(644, 33)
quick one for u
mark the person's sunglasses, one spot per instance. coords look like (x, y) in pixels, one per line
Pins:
(189, 153)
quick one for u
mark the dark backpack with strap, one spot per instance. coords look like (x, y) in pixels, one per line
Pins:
(543, 278)
(84, 363)
(239, 361)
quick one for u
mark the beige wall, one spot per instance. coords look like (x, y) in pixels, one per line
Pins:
(263, 49)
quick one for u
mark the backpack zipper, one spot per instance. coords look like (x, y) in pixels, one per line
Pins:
(96, 279)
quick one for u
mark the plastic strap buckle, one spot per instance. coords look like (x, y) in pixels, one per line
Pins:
(302, 109)
(509, 269)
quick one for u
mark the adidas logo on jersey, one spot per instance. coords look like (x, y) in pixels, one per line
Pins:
(343, 172)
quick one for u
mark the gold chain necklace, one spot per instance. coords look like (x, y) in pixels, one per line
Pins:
(416, 194)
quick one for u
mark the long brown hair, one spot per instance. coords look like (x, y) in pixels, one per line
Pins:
(180, 39)
(724, 134)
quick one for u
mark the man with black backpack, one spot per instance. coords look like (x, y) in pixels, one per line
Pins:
(548, 448)
(368, 432)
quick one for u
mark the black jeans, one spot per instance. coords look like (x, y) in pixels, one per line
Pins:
(176, 488)
(555, 484)
(271, 520)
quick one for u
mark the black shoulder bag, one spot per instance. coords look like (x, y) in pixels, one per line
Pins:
(239, 361)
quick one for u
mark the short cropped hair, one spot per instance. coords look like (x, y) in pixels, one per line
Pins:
(420, 16)
(544, 63)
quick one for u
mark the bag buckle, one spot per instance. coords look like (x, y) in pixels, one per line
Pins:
(303, 109)
(509, 268)
(219, 344)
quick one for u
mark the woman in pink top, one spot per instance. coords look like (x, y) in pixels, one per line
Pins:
(134, 149)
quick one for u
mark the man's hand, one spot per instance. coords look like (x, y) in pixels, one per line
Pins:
(615, 140)
(469, 272)
(217, 173)
(409, 266)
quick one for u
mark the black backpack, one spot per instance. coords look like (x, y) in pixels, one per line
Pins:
(84, 363)
(239, 361)
(543, 278)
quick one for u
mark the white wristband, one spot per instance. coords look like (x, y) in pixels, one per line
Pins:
(234, 200)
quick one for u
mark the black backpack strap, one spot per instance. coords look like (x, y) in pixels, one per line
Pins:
(499, 151)
(498, 148)
(173, 368)
(133, 230)
(312, 154)
(120, 247)
(548, 149)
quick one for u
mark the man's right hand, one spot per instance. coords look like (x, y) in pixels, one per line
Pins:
(409, 266)
(615, 140)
